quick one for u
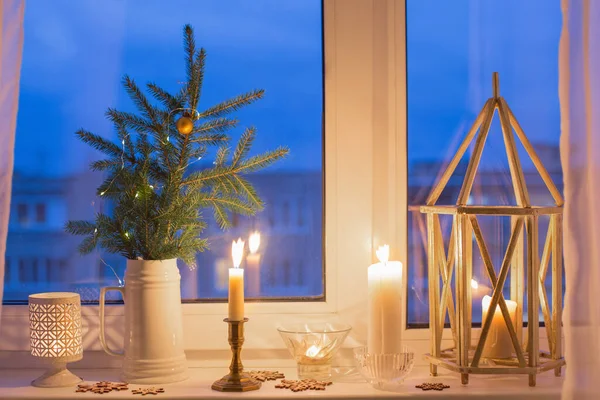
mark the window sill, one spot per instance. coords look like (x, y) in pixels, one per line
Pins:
(14, 384)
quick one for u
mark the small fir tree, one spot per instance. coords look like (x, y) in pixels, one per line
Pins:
(158, 201)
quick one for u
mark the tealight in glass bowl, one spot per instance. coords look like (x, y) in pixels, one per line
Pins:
(313, 345)
(384, 371)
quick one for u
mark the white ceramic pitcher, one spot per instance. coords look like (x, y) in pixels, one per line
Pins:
(153, 349)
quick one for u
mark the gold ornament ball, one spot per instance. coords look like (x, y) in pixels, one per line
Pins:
(185, 125)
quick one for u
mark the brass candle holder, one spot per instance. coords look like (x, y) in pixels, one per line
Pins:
(236, 380)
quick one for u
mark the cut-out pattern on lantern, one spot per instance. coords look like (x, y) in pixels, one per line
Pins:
(55, 335)
(521, 259)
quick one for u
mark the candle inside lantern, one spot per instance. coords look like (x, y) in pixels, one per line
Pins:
(498, 343)
(236, 282)
(253, 265)
(385, 305)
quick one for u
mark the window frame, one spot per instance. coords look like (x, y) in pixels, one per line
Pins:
(364, 119)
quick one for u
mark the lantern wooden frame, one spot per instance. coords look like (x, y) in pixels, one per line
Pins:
(464, 358)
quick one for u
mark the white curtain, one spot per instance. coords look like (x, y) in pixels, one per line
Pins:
(579, 76)
(11, 49)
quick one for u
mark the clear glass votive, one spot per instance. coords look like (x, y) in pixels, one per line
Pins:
(313, 346)
(384, 371)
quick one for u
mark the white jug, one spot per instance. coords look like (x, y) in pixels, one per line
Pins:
(153, 349)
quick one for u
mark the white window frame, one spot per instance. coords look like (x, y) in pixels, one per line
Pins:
(365, 185)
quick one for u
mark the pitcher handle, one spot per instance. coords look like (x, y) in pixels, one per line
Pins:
(102, 300)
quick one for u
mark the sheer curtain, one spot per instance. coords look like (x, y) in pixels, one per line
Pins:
(11, 48)
(579, 76)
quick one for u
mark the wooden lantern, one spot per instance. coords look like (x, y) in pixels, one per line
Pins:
(526, 357)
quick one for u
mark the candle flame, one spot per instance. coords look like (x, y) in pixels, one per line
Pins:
(254, 242)
(312, 351)
(383, 253)
(237, 251)
(474, 284)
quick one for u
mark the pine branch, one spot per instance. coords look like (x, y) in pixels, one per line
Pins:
(232, 105)
(103, 165)
(194, 66)
(230, 203)
(198, 76)
(140, 100)
(248, 192)
(208, 177)
(221, 157)
(216, 175)
(130, 121)
(243, 146)
(211, 139)
(99, 143)
(198, 153)
(262, 161)
(168, 100)
(80, 227)
(87, 245)
(218, 125)
(221, 217)
(189, 44)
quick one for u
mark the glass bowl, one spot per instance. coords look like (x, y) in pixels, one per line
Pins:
(313, 345)
(384, 371)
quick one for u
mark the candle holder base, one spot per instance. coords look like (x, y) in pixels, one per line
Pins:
(236, 380)
(236, 383)
(319, 372)
(449, 359)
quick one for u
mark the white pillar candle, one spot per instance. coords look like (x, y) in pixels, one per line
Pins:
(236, 282)
(385, 305)
(498, 343)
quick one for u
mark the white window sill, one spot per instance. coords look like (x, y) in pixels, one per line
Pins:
(15, 384)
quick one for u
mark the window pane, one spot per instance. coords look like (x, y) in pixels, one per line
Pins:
(453, 48)
(75, 54)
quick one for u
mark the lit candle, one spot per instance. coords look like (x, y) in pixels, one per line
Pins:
(498, 343)
(236, 282)
(385, 305)
(313, 351)
(313, 356)
(479, 290)
(253, 265)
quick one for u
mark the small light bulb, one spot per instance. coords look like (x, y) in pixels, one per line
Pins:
(127, 235)
(199, 158)
(168, 138)
(123, 142)
(95, 230)
(151, 187)
(102, 193)
(137, 194)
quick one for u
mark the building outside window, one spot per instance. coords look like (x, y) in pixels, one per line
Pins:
(22, 216)
(40, 213)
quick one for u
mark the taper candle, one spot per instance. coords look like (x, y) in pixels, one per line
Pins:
(236, 282)
(385, 305)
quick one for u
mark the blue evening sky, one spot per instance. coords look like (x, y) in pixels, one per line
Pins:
(75, 53)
